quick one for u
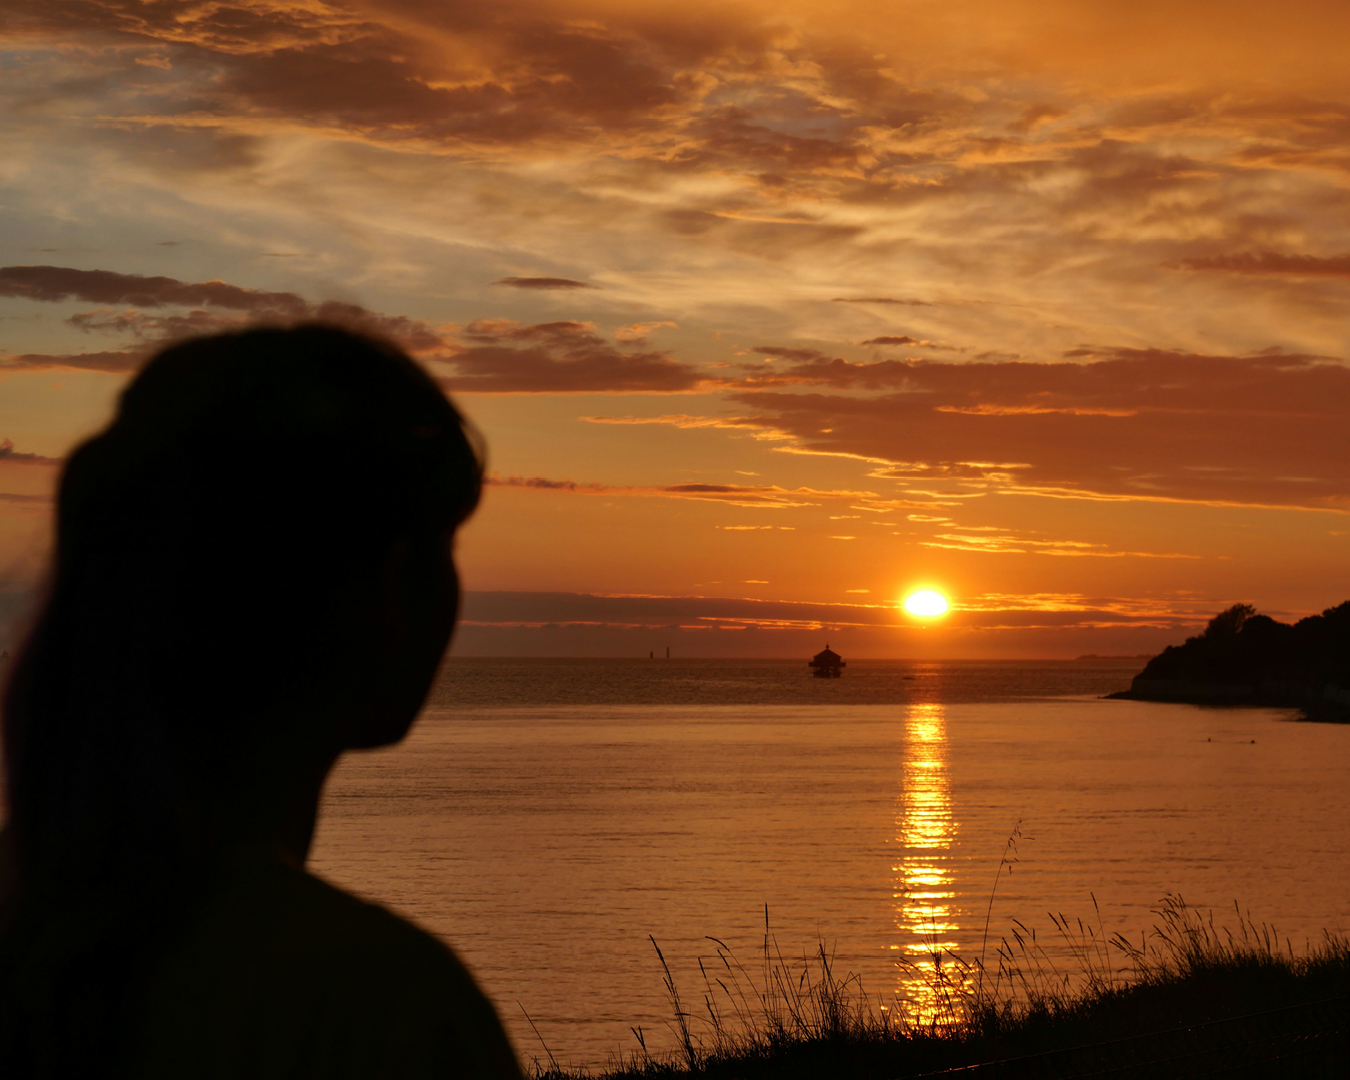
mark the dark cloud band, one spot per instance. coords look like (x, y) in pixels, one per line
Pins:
(543, 283)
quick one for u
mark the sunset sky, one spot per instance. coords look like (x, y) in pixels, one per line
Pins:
(770, 313)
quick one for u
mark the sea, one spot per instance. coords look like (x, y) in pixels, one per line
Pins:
(558, 821)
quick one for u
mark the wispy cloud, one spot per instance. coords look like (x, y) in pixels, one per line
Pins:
(233, 308)
(900, 301)
(1003, 542)
(497, 356)
(750, 425)
(502, 356)
(544, 283)
(53, 283)
(762, 496)
(1270, 262)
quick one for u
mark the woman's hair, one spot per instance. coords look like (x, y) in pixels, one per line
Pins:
(212, 545)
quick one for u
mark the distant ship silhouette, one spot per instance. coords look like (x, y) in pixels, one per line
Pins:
(827, 664)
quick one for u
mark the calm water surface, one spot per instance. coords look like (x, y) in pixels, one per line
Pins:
(545, 817)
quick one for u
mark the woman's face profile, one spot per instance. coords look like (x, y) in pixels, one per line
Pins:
(409, 629)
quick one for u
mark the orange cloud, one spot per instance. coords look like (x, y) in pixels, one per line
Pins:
(1006, 543)
(751, 425)
(1136, 423)
(636, 333)
(812, 132)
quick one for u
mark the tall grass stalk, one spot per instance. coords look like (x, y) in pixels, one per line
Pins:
(795, 1017)
(1006, 862)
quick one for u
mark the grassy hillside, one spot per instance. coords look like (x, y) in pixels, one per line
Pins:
(1188, 999)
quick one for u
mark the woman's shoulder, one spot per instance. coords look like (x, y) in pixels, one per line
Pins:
(304, 919)
(279, 973)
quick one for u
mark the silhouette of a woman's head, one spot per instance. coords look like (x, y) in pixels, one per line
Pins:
(252, 573)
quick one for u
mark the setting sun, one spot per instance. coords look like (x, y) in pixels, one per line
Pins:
(926, 603)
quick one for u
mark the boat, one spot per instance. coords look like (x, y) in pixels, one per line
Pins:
(827, 664)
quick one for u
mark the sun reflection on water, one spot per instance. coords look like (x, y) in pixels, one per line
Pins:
(925, 895)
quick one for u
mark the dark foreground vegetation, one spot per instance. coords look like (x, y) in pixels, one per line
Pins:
(1246, 658)
(1188, 1000)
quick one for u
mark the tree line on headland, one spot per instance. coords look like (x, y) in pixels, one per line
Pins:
(1246, 658)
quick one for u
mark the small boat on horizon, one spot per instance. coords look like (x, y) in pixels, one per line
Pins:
(827, 664)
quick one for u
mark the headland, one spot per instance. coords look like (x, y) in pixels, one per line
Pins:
(1243, 658)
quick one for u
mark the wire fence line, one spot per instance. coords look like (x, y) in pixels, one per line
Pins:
(1298, 1041)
